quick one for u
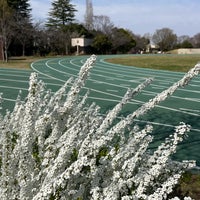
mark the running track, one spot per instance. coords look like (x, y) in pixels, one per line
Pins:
(108, 83)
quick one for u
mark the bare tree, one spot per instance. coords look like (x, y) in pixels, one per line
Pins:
(6, 27)
(1, 49)
(183, 38)
(102, 23)
(196, 40)
(41, 39)
(24, 31)
(165, 39)
(89, 15)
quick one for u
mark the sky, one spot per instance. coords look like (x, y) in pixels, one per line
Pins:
(139, 16)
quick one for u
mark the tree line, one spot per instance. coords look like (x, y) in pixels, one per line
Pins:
(21, 36)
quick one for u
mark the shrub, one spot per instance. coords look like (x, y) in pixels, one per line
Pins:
(54, 146)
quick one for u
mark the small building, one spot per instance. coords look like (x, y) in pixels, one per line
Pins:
(1, 49)
(152, 48)
(81, 44)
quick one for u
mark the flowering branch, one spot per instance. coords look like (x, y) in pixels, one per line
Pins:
(53, 146)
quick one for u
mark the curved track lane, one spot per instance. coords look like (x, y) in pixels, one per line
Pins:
(108, 83)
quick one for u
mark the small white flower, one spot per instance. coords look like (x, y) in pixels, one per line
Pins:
(53, 144)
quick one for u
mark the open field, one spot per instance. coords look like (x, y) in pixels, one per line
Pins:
(19, 62)
(178, 63)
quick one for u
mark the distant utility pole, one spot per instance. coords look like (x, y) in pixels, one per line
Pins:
(89, 15)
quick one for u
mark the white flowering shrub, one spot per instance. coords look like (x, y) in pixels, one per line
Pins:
(54, 146)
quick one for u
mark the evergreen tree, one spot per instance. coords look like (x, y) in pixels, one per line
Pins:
(22, 25)
(61, 17)
(61, 14)
(21, 8)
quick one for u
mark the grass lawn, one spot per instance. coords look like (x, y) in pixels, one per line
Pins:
(172, 62)
(19, 62)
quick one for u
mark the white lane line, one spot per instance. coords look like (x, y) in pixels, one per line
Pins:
(24, 76)
(173, 96)
(139, 102)
(168, 108)
(15, 75)
(103, 71)
(157, 87)
(157, 123)
(141, 71)
(101, 82)
(106, 99)
(7, 99)
(190, 110)
(46, 75)
(132, 80)
(125, 85)
(192, 99)
(180, 89)
(21, 71)
(11, 80)
(97, 82)
(12, 87)
(83, 87)
(142, 102)
(135, 81)
(149, 93)
(73, 64)
(161, 124)
(112, 90)
(83, 60)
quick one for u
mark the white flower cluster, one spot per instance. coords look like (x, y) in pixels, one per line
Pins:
(53, 146)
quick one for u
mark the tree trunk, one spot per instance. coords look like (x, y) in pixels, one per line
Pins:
(66, 49)
(5, 51)
(2, 51)
(6, 55)
(23, 49)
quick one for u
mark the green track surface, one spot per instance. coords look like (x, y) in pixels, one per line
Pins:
(108, 83)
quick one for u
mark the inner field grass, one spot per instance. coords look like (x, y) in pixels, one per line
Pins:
(172, 62)
(178, 63)
(19, 62)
